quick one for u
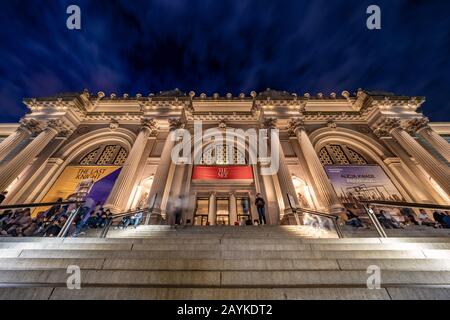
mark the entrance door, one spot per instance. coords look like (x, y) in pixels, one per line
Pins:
(223, 211)
(201, 212)
(243, 208)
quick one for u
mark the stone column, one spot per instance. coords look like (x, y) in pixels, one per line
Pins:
(13, 168)
(436, 169)
(418, 176)
(212, 214)
(323, 184)
(233, 209)
(162, 172)
(284, 176)
(23, 132)
(120, 193)
(420, 125)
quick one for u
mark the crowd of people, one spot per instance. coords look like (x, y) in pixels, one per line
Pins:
(441, 219)
(21, 222)
(49, 223)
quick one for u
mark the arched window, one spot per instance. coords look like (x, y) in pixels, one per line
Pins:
(109, 155)
(222, 155)
(341, 155)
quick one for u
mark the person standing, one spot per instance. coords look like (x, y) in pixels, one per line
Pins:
(260, 206)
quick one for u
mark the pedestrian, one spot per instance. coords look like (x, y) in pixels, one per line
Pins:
(260, 206)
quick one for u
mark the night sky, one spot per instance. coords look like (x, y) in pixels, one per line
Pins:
(224, 46)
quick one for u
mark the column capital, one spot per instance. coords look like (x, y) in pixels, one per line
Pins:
(269, 123)
(416, 124)
(296, 125)
(59, 127)
(151, 125)
(176, 123)
(33, 126)
(383, 127)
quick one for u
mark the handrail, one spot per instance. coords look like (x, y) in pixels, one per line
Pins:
(35, 205)
(322, 214)
(408, 204)
(116, 216)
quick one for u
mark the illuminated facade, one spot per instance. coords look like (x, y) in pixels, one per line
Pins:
(118, 151)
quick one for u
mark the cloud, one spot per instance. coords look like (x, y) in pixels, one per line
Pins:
(224, 46)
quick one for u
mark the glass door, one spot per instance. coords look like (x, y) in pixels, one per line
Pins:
(223, 211)
(201, 212)
(243, 208)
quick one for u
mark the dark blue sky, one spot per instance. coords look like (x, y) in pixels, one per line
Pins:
(224, 46)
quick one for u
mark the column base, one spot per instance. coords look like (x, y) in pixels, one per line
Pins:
(288, 219)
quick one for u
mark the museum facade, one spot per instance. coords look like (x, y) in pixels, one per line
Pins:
(118, 150)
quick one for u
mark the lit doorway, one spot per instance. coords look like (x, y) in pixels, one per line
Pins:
(201, 212)
(223, 211)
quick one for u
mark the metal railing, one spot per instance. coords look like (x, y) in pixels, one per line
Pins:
(374, 219)
(300, 218)
(119, 217)
(65, 228)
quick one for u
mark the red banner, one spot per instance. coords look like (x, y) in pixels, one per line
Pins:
(222, 173)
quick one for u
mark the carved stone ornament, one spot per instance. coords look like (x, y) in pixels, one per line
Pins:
(332, 124)
(296, 124)
(414, 125)
(113, 124)
(270, 123)
(222, 125)
(176, 123)
(151, 124)
(56, 124)
(385, 126)
(32, 125)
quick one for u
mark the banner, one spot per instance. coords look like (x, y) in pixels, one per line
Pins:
(353, 183)
(102, 177)
(222, 173)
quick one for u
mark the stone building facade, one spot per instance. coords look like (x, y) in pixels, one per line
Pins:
(118, 149)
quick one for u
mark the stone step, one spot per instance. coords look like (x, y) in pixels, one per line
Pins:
(233, 246)
(225, 240)
(225, 264)
(255, 254)
(238, 279)
(99, 293)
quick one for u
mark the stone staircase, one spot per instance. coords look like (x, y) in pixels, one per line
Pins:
(218, 262)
